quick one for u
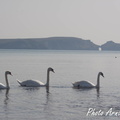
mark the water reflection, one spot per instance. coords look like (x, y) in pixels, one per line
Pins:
(98, 92)
(6, 97)
(48, 106)
(88, 89)
(47, 89)
(31, 88)
(35, 88)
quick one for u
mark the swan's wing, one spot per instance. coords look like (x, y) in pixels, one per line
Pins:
(87, 84)
(31, 83)
(19, 81)
(2, 86)
(83, 84)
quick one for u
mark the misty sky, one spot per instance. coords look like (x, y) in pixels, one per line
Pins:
(96, 20)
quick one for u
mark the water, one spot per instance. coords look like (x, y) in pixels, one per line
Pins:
(62, 102)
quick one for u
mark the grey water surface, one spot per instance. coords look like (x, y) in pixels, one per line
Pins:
(62, 102)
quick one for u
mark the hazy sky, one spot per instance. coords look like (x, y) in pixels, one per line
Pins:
(96, 20)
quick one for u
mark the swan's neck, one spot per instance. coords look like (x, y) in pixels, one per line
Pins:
(6, 78)
(47, 83)
(98, 81)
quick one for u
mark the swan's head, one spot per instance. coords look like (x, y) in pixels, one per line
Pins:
(101, 74)
(51, 69)
(8, 73)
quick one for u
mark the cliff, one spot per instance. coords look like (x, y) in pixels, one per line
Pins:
(52, 43)
(110, 45)
(56, 43)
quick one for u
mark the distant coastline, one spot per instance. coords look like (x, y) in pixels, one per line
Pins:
(57, 43)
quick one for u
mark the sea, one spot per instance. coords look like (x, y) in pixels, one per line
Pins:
(61, 101)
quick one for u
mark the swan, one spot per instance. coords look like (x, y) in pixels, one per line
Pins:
(2, 86)
(87, 84)
(36, 83)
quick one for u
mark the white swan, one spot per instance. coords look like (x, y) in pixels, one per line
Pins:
(2, 86)
(36, 83)
(87, 84)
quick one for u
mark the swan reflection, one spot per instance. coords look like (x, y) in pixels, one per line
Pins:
(47, 89)
(6, 97)
(88, 90)
(98, 92)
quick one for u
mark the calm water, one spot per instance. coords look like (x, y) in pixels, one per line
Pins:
(62, 102)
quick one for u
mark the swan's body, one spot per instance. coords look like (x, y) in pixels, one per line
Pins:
(36, 83)
(31, 83)
(2, 86)
(87, 84)
(83, 84)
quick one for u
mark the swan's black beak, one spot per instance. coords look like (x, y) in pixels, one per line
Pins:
(53, 71)
(102, 74)
(10, 74)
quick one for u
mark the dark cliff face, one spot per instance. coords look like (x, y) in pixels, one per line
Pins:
(53, 43)
(110, 45)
